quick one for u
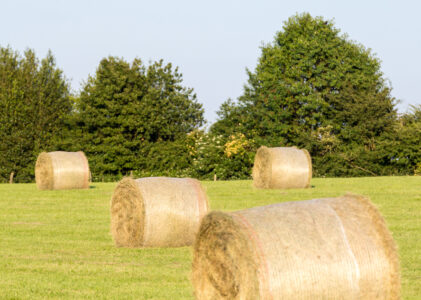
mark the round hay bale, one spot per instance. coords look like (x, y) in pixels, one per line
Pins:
(157, 211)
(333, 248)
(282, 168)
(61, 170)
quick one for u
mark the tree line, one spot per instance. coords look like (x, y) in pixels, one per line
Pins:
(312, 88)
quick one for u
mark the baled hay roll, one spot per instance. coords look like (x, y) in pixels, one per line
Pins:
(333, 248)
(157, 211)
(282, 168)
(61, 170)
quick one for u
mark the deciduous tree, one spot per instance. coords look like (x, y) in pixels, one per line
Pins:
(34, 100)
(127, 108)
(312, 79)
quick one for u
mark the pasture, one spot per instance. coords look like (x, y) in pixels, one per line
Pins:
(57, 244)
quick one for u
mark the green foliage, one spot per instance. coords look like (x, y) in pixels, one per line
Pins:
(226, 157)
(312, 88)
(34, 99)
(401, 148)
(315, 88)
(229, 119)
(131, 117)
(166, 158)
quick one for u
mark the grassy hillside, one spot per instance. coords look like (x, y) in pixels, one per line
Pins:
(57, 244)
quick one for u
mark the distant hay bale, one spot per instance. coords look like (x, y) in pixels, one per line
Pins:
(61, 170)
(332, 248)
(157, 211)
(282, 168)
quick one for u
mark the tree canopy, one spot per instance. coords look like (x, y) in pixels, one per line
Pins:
(313, 87)
(34, 99)
(126, 108)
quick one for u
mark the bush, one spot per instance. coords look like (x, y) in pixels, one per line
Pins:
(227, 158)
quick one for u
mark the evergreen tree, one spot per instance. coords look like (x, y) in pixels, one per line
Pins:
(34, 99)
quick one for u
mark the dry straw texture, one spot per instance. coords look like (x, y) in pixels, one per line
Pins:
(157, 211)
(333, 248)
(282, 168)
(61, 170)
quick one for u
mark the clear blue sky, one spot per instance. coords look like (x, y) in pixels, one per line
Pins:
(212, 42)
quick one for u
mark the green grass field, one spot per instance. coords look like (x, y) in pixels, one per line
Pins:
(57, 244)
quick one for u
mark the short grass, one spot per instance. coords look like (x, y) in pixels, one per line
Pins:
(57, 244)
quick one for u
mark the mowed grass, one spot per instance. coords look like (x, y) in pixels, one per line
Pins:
(57, 244)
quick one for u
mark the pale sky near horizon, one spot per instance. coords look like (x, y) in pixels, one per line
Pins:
(211, 42)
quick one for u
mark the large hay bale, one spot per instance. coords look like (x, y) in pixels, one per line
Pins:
(157, 211)
(333, 248)
(61, 170)
(282, 168)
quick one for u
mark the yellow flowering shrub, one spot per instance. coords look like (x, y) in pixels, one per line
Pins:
(236, 145)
